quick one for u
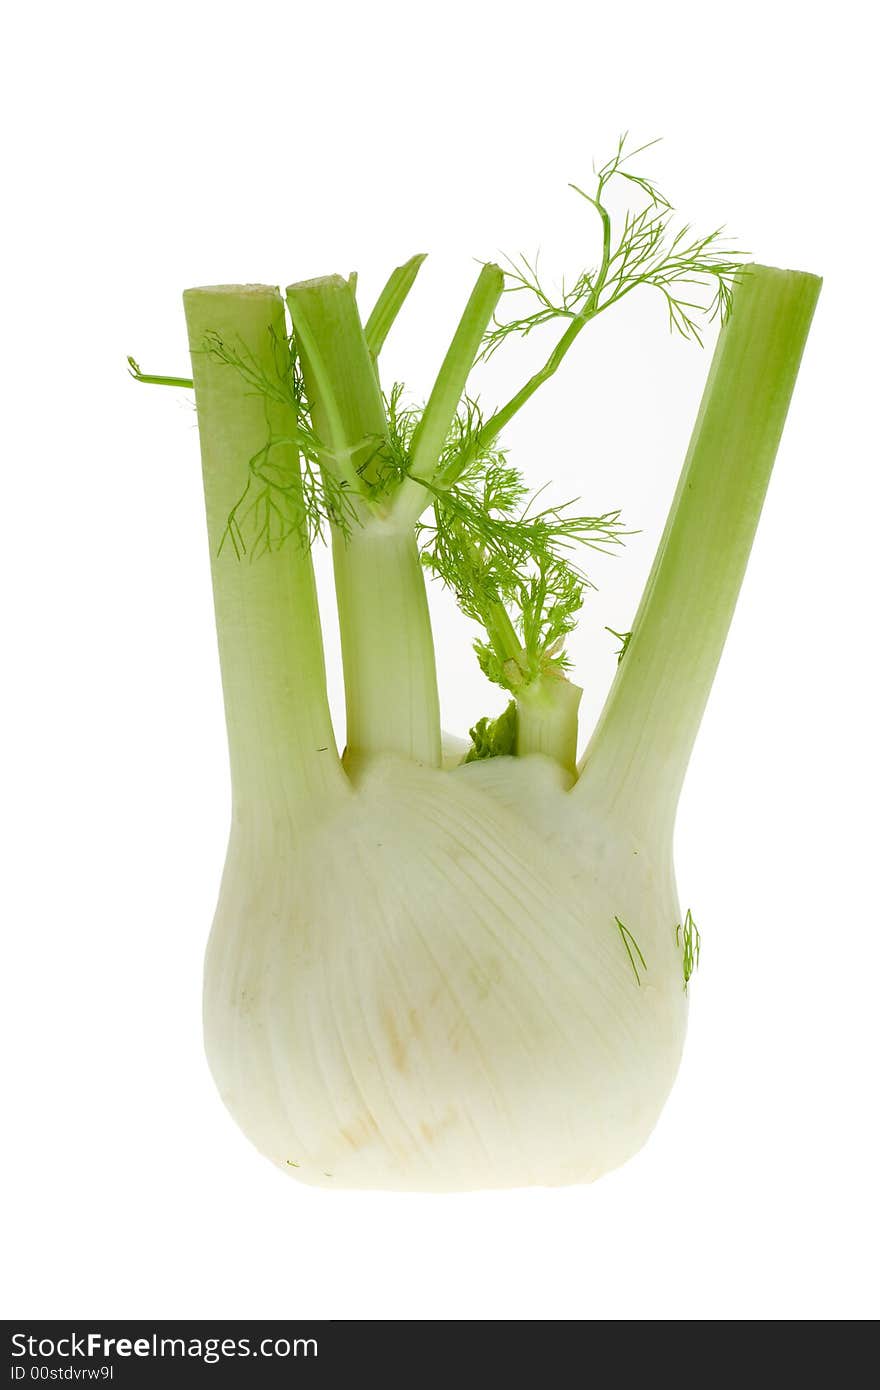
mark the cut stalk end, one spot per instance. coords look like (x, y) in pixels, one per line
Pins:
(547, 720)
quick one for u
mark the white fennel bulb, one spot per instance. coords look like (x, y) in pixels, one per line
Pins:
(429, 973)
(426, 986)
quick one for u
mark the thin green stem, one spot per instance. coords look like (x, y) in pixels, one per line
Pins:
(639, 753)
(502, 634)
(439, 413)
(281, 744)
(390, 303)
(496, 422)
(443, 402)
(150, 379)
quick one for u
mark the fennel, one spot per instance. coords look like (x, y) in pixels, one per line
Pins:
(447, 969)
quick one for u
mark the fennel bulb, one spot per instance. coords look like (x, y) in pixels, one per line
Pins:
(446, 1002)
(428, 971)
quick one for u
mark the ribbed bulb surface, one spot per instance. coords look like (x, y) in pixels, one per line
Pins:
(429, 989)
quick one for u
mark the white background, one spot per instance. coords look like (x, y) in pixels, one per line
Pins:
(154, 147)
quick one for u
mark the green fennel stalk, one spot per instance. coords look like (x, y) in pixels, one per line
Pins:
(392, 703)
(271, 651)
(639, 752)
